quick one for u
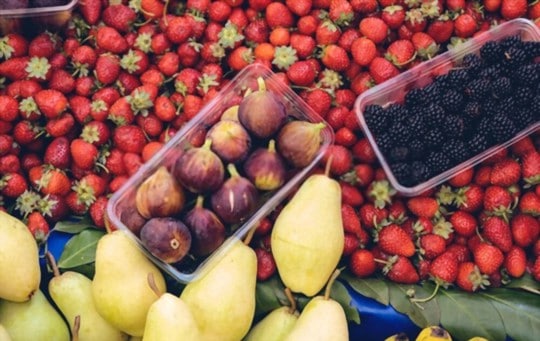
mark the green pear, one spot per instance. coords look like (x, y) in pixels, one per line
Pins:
(277, 324)
(169, 319)
(35, 319)
(120, 287)
(223, 300)
(19, 260)
(4, 336)
(322, 319)
(307, 238)
(72, 294)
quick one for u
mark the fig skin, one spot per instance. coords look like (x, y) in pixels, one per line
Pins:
(265, 168)
(199, 169)
(262, 112)
(236, 198)
(130, 216)
(166, 238)
(299, 141)
(207, 231)
(230, 141)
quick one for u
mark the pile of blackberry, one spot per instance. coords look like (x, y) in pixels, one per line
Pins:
(483, 101)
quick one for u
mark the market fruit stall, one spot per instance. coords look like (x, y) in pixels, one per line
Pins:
(256, 169)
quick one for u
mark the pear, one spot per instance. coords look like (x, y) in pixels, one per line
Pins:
(277, 324)
(35, 319)
(4, 336)
(322, 319)
(72, 294)
(19, 260)
(307, 238)
(120, 287)
(223, 300)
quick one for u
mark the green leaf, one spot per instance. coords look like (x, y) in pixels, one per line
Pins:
(465, 315)
(80, 250)
(374, 288)
(340, 294)
(519, 311)
(422, 314)
(74, 226)
(266, 295)
(525, 282)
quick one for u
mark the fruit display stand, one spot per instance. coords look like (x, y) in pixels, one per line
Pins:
(88, 107)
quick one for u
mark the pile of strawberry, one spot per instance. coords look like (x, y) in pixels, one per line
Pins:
(82, 109)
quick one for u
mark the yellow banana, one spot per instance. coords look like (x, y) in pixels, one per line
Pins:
(433, 333)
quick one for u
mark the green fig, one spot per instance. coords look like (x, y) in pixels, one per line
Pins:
(19, 260)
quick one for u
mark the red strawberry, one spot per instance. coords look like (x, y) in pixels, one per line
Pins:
(266, 266)
(97, 211)
(350, 195)
(535, 271)
(341, 159)
(10, 108)
(463, 178)
(497, 231)
(13, 45)
(327, 33)
(304, 45)
(91, 11)
(423, 206)
(395, 241)
(25, 132)
(424, 44)
(351, 221)
(381, 70)
(121, 113)
(75, 206)
(401, 270)
(444, 268)
(432, 245)
(470, 198)
(530, 163)
(374, 28)
(96, 132)
(62, 81)
(461, 252)
(110, 40)
(319, 100)
(515, 262)
(469, 277)
(525, 229)
(364, 6)
(12, 185)
(400, 52)
(363, 151)
(277, 14)
(463, 223)
(60, 126)
(393, 16)
(15, 68)
(51, 103)
(371, 216)
(179, 29)
(10, 164)
(465, 25)
(120, 17)
(441, 29)
(114, 163)
(415, 21)
(335, 58)
(57, 153)
(505, 173)
(511, 9)
(129, 138)
(38, 226)
(341, 12)
(498, 201)
(301, 73)
(488, 258)
(529, 203)
(54, 181)
(107, 68)
(362, 263)
(83, 154)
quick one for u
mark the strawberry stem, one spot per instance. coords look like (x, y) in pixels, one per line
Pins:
(425, 299)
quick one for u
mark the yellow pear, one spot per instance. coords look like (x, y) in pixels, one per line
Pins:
(35, 319)
(20, 274)
(277, 324)
(307, 238)
(322, 319)
(223, 300)
(120, 287)
(72, 294)
(4, 336)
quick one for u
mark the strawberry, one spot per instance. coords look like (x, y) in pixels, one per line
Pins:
(395, 241)
(462, 178)
(400, 52)
(482, 176)
(441, 29)
(75, 206)
(278, 14)
(351, 221)
(432, 245)
(469, 277)
(120, 112)
(425, 45)
(529, 203)
(38, 226)
(511, 9)
(497, 231)
(362, 263)
(370, 216)
(463, 223)
(13, 185)
(340, 12)
(304, 45)
(10, 108)
(515, 262)
(351, 195)
(114, 163)
(374, 28)
(393, 16)
(266, 266)
(54, 182)
(401, 270)
(57, 153)
(341, 159)
(110, 40)
(382, 70)
(461, 252)
(62, 81)
(13, 45)
(423, 206)
(51, 103)
(43, 45)
(97, 211)
(488, 258)
(60, 126)
(530, 164)
(120, 17)
(363, 151)
(96, 132)
(335, 58)
(91, 11)
(83, 154)
(470, 198)
(129, 138)
(344, 136)
(240, 57)
(179, 29)
(336, 117)
(414, 20)
(10, 164)
(107, 68)
(15, 68)
(301, 73)
(363, 50)
(505, 173)
(525, 229)
(498, 201)
(444, 268)
(319, 100)
(422, 225)
(364, 6)
(361, 175)
(465, 25)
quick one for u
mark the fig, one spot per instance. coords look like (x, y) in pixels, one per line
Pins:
(230, 114)
(230, 141)
(207, 231)
(166, 238)
(130, 216)
(265, 168)
(299, 141)
(160, 195)
(199, 169)
(262, 113)
(235, 199)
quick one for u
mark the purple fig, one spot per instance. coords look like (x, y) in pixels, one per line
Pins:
(299, 141)
(262, 113)
(207, 231)
(166, 238)
(265, 168)
(130, 216)
(236, 198)
(230, 141)
(199, 169)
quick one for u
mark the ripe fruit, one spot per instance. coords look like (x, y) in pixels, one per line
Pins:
(488, 258)
(395, 241)
(426, 207)
(362, 263)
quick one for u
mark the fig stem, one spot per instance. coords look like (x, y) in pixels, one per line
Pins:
(76, 327)
(52, 263)
(261, 84)
(152, 284)
(207, 144)
(200, 201)
(232, 170)
(330, 283)
(291, 299)
(272, 146)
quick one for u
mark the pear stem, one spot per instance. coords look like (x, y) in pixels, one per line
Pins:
(200, 201)
(152, 284)
(291, 299)
(75, 329)
(330, 283)
(328, 165)
(250, 235)
(52, 263)
(261, 84)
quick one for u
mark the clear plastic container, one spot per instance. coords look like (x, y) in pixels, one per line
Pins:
(395, 89)
(29, 21)
(123, 200)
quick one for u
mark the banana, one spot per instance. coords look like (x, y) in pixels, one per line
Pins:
(433, 333)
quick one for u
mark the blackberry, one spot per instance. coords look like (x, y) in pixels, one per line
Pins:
(456, 150)
(401, 133)
(399, 154)
(506, 105)
(402, 173)
(473, 63)
(523, 96)
(376, 118)
(527, 75)
(420, 172)
(458, 77)
(477, 89)
(511, 41)
(531, 48)
(384, 142)
(433, 139)
(416, 123)
(489, 108)
(416, 149)
(501, 87)
(502, 127)
(515, 56)
(432, 92)
(535, 107)
(453, 126)
(522, 118)
(437, 162)
(397, 113)
(477, 144)
(492, 52)
(433, 115)
(472, 110)
(490, 73)
(415, 97)
(443, 82)
(452, 100)
(484, 125)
